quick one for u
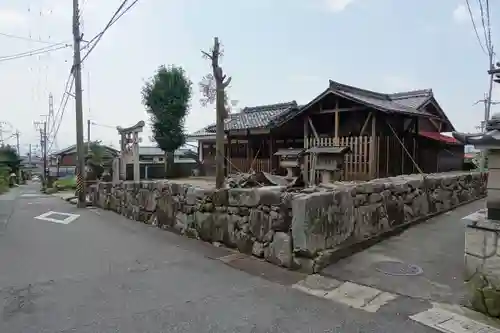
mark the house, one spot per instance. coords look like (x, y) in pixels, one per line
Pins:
(63, 162)
(152, 163)
(389, 134)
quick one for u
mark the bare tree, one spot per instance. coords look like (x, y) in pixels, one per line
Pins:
(219, 94)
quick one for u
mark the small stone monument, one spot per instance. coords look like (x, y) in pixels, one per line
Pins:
(291, 160)
(482, 248)
(329, 161)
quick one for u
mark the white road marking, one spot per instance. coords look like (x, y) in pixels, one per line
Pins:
(476, 216)
(449, 322)
(69, 217)
(348, 293)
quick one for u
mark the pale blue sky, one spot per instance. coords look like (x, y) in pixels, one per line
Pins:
(275, 50)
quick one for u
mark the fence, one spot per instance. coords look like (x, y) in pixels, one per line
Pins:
(356, 163)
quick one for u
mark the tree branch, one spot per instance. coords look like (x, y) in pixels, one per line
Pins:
(226, 83)
(206, 55)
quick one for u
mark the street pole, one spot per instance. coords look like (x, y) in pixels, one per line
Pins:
(18, 155)
(88, 136)
(77, 72)
(45, 171)
(487, 109)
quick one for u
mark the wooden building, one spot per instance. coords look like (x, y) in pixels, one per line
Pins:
(388, 134)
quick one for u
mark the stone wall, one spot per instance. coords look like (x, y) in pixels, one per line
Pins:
(298, 230)
(482, 264)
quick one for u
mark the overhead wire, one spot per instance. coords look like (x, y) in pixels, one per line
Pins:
(34, 52)
(29, 39)
(475, 27)
(61, 109)
(116, 16)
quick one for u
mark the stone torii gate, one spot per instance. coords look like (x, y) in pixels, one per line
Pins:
(129, 144)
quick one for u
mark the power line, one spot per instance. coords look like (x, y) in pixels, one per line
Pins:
(113, 20)
(475, 27)
(29, 39)
(33, 52)
(61, 110)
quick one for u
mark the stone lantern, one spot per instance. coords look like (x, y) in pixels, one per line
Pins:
(329, 161)
(291, 160)
(482, 250)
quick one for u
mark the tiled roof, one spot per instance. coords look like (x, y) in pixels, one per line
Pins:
(251, 117)
(412, 99)
(399, 102)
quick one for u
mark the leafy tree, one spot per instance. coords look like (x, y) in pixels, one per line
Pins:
(167, 97)
(94, 159)
(9, 163)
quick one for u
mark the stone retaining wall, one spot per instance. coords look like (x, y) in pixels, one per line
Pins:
(297, 230)
(482, 264)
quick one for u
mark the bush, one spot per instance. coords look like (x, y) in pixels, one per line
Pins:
(67, 183)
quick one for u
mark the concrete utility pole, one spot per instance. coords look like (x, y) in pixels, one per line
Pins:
(42, 127)
(19, 155)
(88, 136)
(77, 72)
(45, 171)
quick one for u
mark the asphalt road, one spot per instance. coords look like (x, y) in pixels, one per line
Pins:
(104, 273)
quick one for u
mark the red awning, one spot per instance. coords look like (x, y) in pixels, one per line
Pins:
(439, 137)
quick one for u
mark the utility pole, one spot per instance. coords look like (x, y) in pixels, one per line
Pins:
(42, 127)
(77, 72)
(19, 156)
(88, 136)
(29, 154)
(17, 143)
(45, 171)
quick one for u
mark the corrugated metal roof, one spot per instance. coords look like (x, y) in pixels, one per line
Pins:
(439, 137)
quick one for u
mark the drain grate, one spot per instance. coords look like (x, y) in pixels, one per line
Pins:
(398, 268)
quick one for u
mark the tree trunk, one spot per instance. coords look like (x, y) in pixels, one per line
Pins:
(169, 165)
(219, 138)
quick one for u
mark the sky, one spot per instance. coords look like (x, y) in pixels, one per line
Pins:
(275, 51)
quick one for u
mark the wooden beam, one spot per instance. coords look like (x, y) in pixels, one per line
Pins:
(356, 108)
(365, 124)
(313, 128)
(438, 127)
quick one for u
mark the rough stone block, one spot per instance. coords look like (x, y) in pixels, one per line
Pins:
(243, 197)
(280, 250)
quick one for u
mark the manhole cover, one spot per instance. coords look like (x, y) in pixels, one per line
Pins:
(398, 268)
(57, 216)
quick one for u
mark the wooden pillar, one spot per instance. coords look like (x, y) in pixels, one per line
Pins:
(337, 121)
(306, 145)
(249, 153)
(373, 148)
(271, 152)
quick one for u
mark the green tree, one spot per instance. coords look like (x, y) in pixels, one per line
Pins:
(167, 97)
(9, 163)
(94, 159)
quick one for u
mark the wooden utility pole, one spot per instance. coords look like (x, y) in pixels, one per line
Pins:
(221, 83)
(77, 72)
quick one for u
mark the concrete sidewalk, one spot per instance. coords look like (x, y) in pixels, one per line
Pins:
(425, 262)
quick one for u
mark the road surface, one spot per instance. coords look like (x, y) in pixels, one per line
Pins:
(87, 270)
